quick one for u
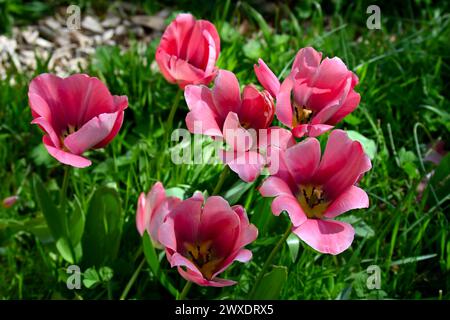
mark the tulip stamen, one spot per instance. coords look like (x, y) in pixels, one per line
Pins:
(203, 257)
(313, 201)
(302, 115)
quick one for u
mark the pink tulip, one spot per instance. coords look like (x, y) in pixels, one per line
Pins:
(188, 51)
(76, 113)
(313, 191)
(221, 112)
(152, 210)
(315, 96)
(203, 239)
(8, 202)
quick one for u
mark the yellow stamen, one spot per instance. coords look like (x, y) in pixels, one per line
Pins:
(301, 115)
(312, 201)
(203, 257)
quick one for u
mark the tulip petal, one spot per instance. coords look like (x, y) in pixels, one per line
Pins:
(306, 62)
(353, 198)
(267, 78)
(303, 160)
(47, 127)
(326, 236)
(283, 108)
(291, 206)
(63, 156)
(274, 186)
(248, 164)
(91, 133)
(226, 93)
(142, 215)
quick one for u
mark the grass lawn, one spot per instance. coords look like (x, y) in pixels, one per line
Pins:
(404, 85)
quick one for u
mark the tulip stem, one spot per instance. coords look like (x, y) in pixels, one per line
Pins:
(185, 291)
(132, 280)
(269, 259)
(222, 178)
(62, 207)
(173, 110)
(65, 184)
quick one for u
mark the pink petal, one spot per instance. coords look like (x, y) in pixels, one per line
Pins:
(353, 198)
(187, 218)
(283, 108)
(274, 186)
(257, 109)
(236, 136)
(122, 103)
(306, 62)
(226, 93)
(248, 165)
(220, 224)
(330, 73)
(315, 130)
(291, 206)
(303, 160)
(63, 156)
(267, 78)
(348, 107)
(91, 133)
(142, 215)
(201, 121)
(326, 236)
(47, 127)
(249, 232)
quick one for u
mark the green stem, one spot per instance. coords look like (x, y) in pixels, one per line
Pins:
(62, 206)
(65, 184)
(185, 291)
(173, 110)
(222, 178)
(132, 280)
(269, 259)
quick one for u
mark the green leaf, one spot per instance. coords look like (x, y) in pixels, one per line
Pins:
(91, 278)
(76, 223)
(236, 191)
(260, 21)
(106, 274)
(103, 228)
(370, 148)
(252, 49)
(64, 248)
(271, 284)
(362, 229)
(55, 220)
(441, 180)
(153, 262)
(293, 243)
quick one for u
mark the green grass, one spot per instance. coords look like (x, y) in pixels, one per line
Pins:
(404, 84)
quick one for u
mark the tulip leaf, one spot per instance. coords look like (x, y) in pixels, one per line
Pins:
(441, 180)
(103, 228)
(54, 219)
(370, 148)
(76, 223)
(293, 243)
(271, 284)
(153, 262)
(236, 191)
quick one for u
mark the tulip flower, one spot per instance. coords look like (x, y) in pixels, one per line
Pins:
(202, 238)
(188, 51)
(152, 210)
(314, 190)
(221, 112)
(8, 202)
(315, 96)
(76, 113)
